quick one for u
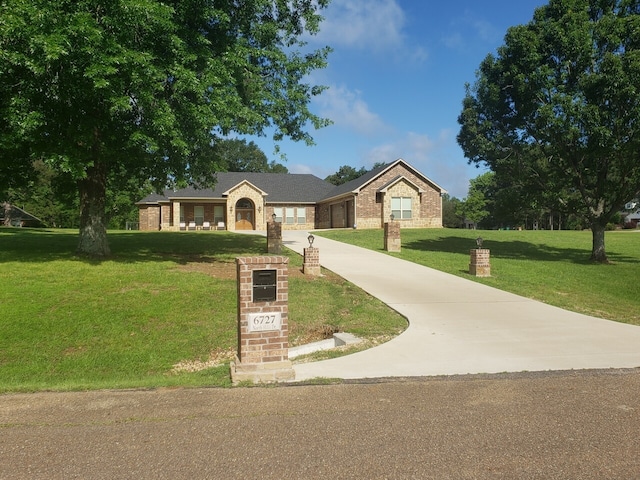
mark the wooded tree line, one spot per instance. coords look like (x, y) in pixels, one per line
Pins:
(54, 200)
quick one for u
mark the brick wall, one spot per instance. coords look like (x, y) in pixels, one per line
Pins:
(149, 217)
(310, 216)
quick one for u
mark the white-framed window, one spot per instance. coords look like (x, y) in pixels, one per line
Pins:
(291, 218)
(401, 207)
(278, 212)
(302, 215)
(218, 214)
(198, 214)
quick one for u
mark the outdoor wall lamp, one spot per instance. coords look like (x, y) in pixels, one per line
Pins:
(311, 238)
(259, 209)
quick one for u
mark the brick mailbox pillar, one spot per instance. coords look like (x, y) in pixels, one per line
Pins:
(479, 263)
(392, 242)
(263, 312)
(274, 237)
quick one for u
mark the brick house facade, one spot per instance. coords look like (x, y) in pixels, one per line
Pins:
(247, 201)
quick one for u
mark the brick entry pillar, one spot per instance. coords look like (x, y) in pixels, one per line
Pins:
(274, 237)
(263, 312)
(392, 241)
(479, 263)
(311, 265)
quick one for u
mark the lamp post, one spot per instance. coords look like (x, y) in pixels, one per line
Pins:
(274, 217)
(392, 216)
(310, 239)
(479, 242)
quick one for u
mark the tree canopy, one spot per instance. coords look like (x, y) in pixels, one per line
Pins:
(345, 174)
(556, 113)
(475, 207)
(235, 155)
(142, 88)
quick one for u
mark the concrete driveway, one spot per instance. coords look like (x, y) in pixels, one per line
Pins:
(458, 326)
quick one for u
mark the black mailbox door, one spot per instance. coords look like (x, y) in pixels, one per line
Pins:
(264, 285)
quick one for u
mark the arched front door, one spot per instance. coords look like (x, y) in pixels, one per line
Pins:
(245, 215)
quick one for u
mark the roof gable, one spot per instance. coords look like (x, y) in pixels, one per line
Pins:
(249, 184)
(397, 179)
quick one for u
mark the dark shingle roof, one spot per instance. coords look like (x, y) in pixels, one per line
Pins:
(280, 187)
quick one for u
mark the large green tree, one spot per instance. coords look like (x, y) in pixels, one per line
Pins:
(557, 110)
(143, 88)
(236, 155)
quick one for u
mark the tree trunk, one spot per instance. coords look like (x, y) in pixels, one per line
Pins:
(93, 230)
(598, 253)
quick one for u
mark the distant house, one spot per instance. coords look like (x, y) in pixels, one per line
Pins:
(17, 217)
(247, 201)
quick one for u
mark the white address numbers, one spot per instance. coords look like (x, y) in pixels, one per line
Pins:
(260, 322)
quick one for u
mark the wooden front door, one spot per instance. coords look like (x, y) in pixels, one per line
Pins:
(244, 219)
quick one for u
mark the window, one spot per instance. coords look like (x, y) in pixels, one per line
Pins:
(182, 213)
(218, 214)
(291, 215)
(302, 215)
(401, 207)
(198, 214)
(278, 212)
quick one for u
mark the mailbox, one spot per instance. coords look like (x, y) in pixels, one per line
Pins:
(264, 285)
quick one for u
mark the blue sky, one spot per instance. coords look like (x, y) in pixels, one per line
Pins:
(396, 80)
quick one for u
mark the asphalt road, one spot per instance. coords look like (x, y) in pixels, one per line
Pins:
(559, 425)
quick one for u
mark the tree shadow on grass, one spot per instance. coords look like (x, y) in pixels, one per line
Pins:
(514, 250)
(46, 245)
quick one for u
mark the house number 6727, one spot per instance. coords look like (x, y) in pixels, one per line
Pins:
(258, 322)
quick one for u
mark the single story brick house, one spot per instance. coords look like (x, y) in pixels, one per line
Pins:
(248, 200)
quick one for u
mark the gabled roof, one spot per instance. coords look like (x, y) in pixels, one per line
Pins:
(280, 188)
(354, 186)
(19, 214)
(284, 187)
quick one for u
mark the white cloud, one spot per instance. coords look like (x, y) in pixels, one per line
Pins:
(300, 168)
(375, 24)
(346, 108)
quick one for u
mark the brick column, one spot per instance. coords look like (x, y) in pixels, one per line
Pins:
(274, 238)
(176, 215)
(479, 263)
(263, 311)
(311, 265)
(392, 241)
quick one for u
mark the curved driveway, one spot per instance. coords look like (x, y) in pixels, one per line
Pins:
(459, 326)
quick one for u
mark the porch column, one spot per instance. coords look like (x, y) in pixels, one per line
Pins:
(176, 214)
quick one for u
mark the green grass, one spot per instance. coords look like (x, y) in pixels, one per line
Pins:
(163, 299)
(550, 266)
